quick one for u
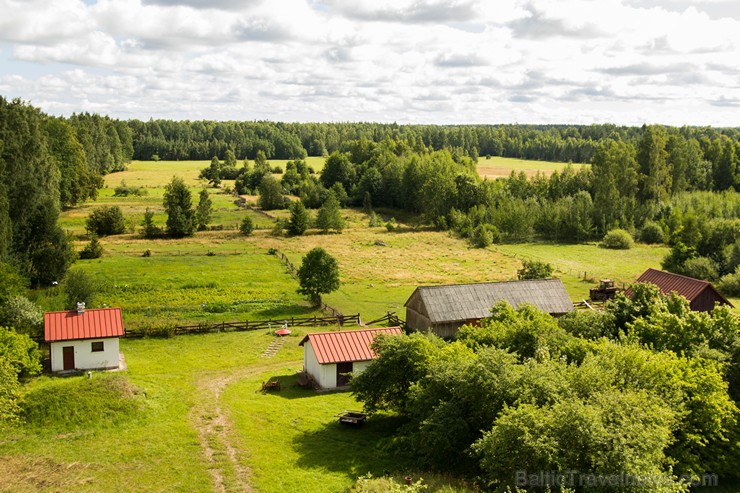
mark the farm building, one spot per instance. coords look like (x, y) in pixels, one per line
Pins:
(444, 309)
(701, 294)
(329, 356)
(83, 339)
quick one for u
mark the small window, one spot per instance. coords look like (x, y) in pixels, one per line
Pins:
(97, 346)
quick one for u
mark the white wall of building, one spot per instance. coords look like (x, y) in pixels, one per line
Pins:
(326, 375)
(85, 358)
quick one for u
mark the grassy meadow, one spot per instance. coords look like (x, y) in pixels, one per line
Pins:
(188, 414)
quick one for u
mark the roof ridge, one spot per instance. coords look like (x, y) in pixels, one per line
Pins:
(701, 281)
(487, 282)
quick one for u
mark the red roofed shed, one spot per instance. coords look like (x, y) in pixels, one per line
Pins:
(329, 356)
(702, 295)
(84, 339)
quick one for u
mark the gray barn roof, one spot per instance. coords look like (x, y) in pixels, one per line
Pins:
(458, 302)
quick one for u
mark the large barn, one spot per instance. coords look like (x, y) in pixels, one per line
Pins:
(328, 357)
(444, 309)
(84, 339)
(702, 295)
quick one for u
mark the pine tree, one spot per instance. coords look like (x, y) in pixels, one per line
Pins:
(299, 219)
(204, 211)
(179, 207)
(330, 215)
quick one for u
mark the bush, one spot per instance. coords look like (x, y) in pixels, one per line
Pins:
(484, 235)
(617, 239)
(246, 227)
(124, 190)
(375, 220)
(23, 315)
(652, 233)
(700, 268)
(534, 269)
(149, 230)
(105, 221)
(92, 250)
(277, 170)
(78, 287)
(730, 284)
(391, 225)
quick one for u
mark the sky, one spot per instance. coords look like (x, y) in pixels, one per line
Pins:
(627, 62)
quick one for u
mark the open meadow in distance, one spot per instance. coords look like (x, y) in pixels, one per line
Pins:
(501, 167)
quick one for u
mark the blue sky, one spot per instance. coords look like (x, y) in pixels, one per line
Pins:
(409, 61)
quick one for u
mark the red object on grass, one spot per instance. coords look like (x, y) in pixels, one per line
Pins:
(282, 332)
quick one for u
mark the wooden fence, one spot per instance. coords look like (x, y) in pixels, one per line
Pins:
(390, 319)
(204, 328)
(241, 202)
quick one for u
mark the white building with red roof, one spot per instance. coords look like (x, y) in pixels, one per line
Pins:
(328, 357)
(84, 339)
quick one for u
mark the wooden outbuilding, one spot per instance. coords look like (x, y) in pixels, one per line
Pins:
(444, 309)
(329, 357)
(701, 295)
(84, 339)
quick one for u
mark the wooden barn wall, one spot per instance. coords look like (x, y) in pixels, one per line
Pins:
(416, 320)
(705, 301)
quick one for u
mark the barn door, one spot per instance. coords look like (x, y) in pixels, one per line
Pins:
(342, 370)
(68, 356)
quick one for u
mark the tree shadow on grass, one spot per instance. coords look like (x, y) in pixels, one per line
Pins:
(282, 312)
(289, 388)
(354, 450)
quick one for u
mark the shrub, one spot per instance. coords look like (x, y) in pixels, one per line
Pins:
(78, 287)
(246, 227)
(700, 268)
(92, 250)
(730, 284)
(484, 235)
(617, 239)
(278, 228)
(651, 233)
(534, 269)
(23, 315)
(105, 220)
(124, 190)
(391, 225)
(375, 220)
(149, 230)
(277, 170)
(147, 253)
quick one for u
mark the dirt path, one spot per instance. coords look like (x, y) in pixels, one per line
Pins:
(215, 431)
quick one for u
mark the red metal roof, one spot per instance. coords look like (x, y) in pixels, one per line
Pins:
(667, 282)
(94, 323)
(345, 346)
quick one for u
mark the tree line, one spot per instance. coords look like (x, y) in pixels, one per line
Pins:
(47, 164)
(180, 140)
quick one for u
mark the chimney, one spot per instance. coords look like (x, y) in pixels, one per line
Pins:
(80, 308)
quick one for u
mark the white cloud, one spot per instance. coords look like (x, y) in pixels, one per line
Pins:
(627, 61)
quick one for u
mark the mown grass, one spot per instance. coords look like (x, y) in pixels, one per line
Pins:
(582, 265)
(296, 443)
